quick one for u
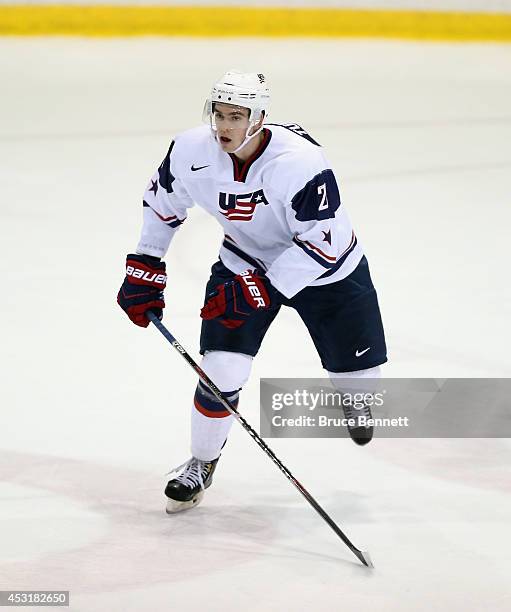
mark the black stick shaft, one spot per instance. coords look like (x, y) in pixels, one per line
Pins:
(362, 556)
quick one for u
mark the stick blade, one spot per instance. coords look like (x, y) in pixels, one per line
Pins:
(365, 557)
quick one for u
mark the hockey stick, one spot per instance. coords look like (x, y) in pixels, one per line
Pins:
(362, 555)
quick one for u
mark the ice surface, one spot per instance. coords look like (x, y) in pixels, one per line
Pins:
(94, 411)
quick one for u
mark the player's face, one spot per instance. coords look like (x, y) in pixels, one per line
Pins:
(231, 123)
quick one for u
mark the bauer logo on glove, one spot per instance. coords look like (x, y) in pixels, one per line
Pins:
(144, 275)
(234, 301)
(254, 290)
(142, 289)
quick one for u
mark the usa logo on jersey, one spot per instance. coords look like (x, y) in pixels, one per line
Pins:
(240, 206)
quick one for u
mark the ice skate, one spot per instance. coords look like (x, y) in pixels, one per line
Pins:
(187, 489)
(360, 433)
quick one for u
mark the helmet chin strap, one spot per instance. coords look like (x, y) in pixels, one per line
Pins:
(248, 138)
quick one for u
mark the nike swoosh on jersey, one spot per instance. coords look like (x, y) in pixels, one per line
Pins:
(194, 169)
(360, 353)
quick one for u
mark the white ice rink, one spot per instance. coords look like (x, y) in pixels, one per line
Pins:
(94, 411)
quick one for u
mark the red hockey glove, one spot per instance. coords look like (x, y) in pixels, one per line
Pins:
(142, 288)
(234, 301)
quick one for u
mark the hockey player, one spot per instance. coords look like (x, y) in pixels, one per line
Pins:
(288, 242)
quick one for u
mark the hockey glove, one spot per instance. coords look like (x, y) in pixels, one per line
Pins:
(142, 289)
(234, 301)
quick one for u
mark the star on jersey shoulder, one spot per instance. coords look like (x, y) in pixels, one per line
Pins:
(327, 237)
(154, 187)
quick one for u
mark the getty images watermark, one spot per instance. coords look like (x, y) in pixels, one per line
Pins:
(310, 401)
(398, 408)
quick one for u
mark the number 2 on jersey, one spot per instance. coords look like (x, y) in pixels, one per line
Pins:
(324, 200)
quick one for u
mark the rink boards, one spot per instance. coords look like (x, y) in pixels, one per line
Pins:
(446, 20)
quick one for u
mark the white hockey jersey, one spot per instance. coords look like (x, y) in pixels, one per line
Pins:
(280, 211)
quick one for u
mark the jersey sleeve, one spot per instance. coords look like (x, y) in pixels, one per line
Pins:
(319, 227)
(165, 207)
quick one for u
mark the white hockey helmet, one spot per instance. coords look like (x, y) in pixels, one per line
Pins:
(247, 89)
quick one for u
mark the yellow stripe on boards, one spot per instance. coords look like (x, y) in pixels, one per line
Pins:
(242, 21)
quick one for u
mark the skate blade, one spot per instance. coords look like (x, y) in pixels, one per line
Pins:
(174, 506)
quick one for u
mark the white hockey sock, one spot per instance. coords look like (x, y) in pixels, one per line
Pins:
(360, 380)
(211, 422)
